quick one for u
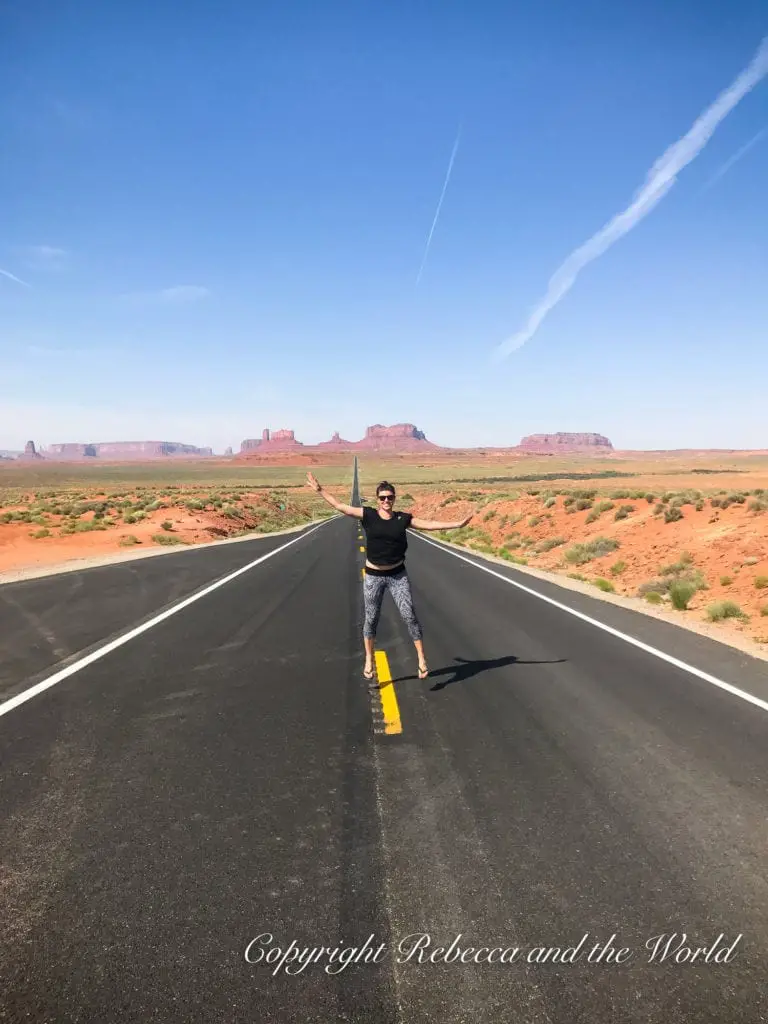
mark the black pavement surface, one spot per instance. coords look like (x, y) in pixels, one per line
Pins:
(217, 778)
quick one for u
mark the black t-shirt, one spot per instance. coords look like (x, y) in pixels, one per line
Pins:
(386, 541)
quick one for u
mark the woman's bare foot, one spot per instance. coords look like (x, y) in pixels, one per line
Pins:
(368, 671)
(423, 671)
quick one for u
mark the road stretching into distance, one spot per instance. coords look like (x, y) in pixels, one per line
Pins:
(226, 774)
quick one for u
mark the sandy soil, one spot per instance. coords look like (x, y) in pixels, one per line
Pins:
(727, 548)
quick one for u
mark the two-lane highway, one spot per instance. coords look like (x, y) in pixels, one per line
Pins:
(219, 776)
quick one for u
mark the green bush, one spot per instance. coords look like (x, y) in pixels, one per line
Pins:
(618, 568)
(726, 581)
(580, 554)
(764, 610)
(38, 534)
(164, 538)
(129, 540)
(761, 582)
(549, 544)
(605, 585)
(653, 597)
(673, 514)
(550, 502)
(725, 610)
(681, 565)
(582, 504)
(166, 525)
(624, 511)
(681, 592)
(534, 521)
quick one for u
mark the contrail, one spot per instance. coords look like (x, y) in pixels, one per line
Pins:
(658, 182)
(440, 203)
(734, 159)
(7, 273)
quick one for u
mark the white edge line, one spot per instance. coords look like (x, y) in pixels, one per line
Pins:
(609, 629)
(89, 659)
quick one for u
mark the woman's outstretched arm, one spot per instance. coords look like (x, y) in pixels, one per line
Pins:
(348, 510)
(430, 524)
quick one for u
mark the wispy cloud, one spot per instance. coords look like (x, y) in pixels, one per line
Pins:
(734, 159)
(178, 295)
(44, 257)
(439, 205)
(12, 277)
(659, 181)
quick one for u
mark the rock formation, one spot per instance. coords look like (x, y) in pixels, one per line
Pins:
(116, 450)
(336, 441)
(403, 436)
(30, 453)
(563, 443)
(270, 441)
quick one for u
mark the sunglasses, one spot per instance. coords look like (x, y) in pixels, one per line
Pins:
(386, 497)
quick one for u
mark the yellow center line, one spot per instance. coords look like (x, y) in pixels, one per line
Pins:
(389, 705)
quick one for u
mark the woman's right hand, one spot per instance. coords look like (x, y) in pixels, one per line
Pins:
(313, 482)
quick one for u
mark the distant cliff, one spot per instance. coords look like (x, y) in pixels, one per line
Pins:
(563, 443)
(114, 450)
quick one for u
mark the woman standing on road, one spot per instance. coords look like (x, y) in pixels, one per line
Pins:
(386, 544)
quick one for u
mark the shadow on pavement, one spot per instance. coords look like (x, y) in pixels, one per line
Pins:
(468, 669)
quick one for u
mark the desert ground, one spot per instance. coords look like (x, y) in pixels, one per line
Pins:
(682, 534)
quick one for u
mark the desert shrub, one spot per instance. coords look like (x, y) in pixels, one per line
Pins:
(623, 512)
(681, 592)
(685, 561)
(164, 538)
(534, 521)
(512, 542)
(605, 585)
(653, 597)
(128, 541)
(618, 568)
(761, 582)
(166, 525)
(724, 610)
(551, 542)
(617, 495)
(579, 554)
(752, 560)
(489, 515)
(650, 498)
(409, 497)
(758, 505)
(764, 610)
(577, 576)
(570, 500)
(737, 498)
(583, 503)
(39, 534)
(550, 502)
(726, 581)
(673, 514)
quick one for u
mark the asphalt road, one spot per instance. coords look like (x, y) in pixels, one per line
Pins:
(225, 775)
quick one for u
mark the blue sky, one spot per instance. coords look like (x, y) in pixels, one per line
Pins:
(218, 212)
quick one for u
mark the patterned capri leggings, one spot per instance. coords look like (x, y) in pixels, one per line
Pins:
(400, 588)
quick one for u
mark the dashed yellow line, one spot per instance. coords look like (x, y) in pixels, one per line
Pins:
(389, 705)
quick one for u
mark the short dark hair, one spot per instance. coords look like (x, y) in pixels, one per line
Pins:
(384, 486)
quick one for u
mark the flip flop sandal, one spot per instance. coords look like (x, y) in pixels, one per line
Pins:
(368, 675)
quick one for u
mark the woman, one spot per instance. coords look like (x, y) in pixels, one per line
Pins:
(386, 544)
